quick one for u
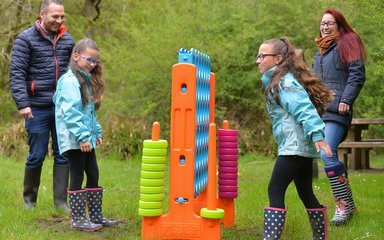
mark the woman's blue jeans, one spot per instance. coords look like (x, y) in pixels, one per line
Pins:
(39, 129)
(334, 133)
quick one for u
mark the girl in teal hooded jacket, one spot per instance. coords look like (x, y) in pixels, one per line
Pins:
(78, 96)
(295, 99)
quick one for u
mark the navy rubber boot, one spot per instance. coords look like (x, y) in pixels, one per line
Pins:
(78, 205)
(95, 206)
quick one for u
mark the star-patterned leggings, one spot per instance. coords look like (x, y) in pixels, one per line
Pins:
(78, 163)
(288, 169)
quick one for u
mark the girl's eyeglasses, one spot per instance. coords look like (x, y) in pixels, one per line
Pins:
(90, 61)
(262, 56)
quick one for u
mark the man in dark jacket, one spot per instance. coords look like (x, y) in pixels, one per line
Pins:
(40, 56)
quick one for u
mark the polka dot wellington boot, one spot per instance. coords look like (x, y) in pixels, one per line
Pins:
(318, 220)
(79, 219)
(274, 219)
(95, 207)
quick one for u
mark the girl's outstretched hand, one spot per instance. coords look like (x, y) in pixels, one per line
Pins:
(323, 145)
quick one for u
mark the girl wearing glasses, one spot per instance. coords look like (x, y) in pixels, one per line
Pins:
(78, 95)
(339, 63)
(295, 99)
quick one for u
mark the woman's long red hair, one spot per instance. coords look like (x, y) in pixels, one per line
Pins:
(351, 47)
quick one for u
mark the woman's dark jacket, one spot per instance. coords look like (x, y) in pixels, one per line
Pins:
(37, 64)
(345, 81)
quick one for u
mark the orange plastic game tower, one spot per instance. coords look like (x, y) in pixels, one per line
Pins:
(195, 209)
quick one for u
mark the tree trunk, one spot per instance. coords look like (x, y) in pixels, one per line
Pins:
(91, 12)
(6, 52)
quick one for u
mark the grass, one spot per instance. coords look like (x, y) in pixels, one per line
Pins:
(121, 182)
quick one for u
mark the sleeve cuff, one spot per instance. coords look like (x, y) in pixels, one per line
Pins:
(318, 136)
(84, 138)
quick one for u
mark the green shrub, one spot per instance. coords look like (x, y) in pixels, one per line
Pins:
(14, 142)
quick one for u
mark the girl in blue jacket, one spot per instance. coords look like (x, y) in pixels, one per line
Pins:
(294, 100)
(78, 95)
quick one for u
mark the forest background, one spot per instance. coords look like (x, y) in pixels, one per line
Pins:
(139, 42)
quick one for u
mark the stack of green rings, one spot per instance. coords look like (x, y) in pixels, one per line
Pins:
(152, 178)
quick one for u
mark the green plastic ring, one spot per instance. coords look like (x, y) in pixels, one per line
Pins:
(150, 205)
(155, 144)
(153, 159)
(212, 214)
(152, 167)
(151, 197)
(152, 190)
(149, 182)
(150, 212)
(152, 175)
(154, 151)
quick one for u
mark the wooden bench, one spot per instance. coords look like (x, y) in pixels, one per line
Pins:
(364, 146)
(355, 149)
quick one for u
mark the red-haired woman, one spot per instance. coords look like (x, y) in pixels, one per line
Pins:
(339, 63)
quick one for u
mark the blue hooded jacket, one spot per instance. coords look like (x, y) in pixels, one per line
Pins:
(74, 122)
(296, 125)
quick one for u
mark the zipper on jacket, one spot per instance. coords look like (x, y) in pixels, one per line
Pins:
(321, 68)
(33, 87)
(62, 30)
(60, 33)
(57, 65)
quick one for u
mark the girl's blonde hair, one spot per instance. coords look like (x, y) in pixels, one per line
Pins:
(317, 91)
(97, 81)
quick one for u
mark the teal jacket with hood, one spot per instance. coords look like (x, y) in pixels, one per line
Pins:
(74, 122)
(296, 125)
